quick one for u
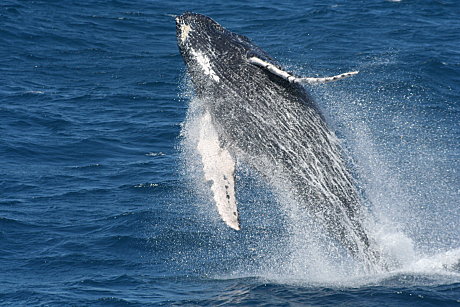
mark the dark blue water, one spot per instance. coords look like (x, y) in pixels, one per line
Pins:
(98, 207)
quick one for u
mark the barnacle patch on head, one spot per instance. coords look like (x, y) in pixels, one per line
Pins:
(184, 30)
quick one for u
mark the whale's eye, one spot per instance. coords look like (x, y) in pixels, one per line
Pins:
(217, 27)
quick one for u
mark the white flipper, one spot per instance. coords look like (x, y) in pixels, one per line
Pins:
(219, 167)
(293, 79)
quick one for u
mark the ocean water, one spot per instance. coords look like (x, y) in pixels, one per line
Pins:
(102, 200)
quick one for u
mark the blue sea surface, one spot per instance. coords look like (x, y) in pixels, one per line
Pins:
(99, 206)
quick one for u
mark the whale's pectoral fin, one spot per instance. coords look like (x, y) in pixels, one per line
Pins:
(219, 168)
(293, 79)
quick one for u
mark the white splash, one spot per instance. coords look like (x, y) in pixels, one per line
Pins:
(442, 263)
(205, 64)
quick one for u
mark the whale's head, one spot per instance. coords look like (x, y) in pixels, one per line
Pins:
(209, 50)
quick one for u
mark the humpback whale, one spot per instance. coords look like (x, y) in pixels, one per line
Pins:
(262, 114)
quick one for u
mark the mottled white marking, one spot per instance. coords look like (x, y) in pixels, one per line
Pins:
(205, 64)
(219, 167)
(292, 79)
(184, 29)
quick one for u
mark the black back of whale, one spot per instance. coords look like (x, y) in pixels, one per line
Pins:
(276, 125)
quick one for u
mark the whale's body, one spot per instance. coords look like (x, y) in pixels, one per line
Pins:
(271, 123)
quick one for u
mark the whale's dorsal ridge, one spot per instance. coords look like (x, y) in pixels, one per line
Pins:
(293, 79)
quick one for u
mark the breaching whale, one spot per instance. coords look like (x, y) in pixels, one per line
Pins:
(262, 114)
